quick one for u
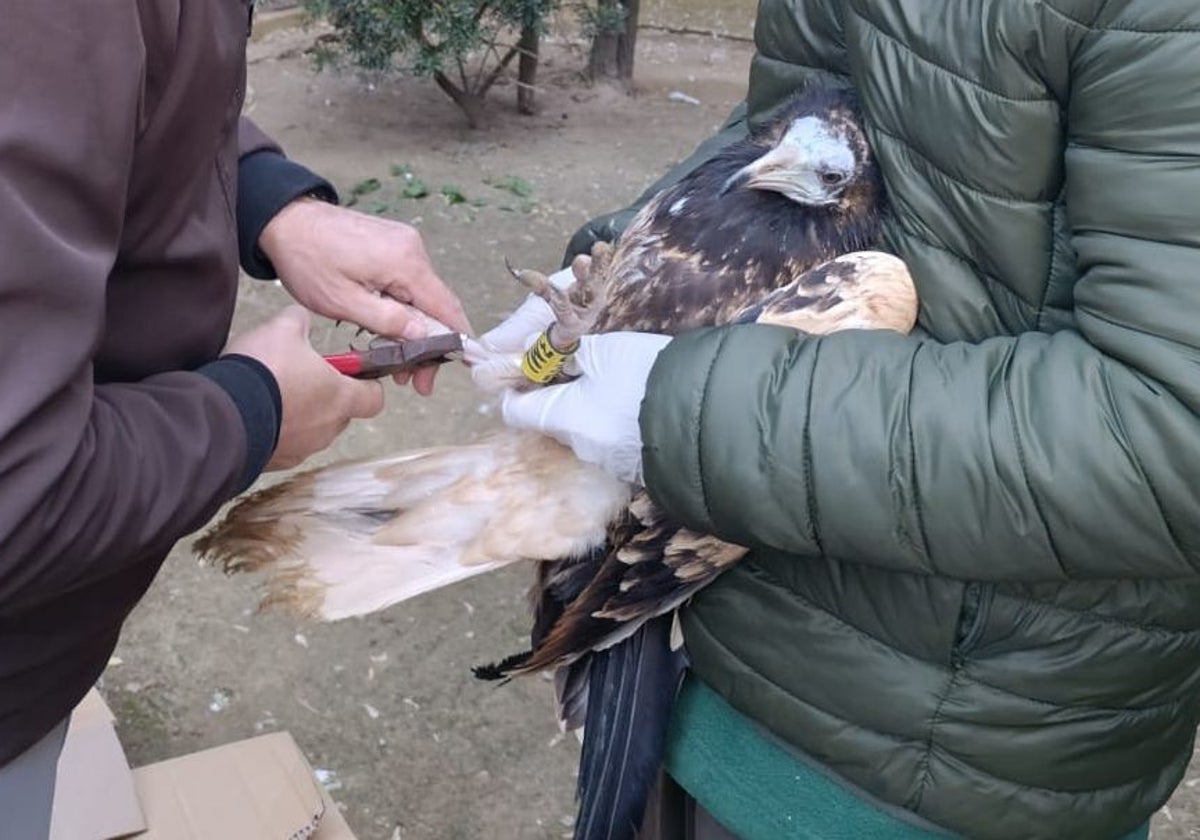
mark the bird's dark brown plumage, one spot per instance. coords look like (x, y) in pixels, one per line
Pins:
(695, 257)
(690, 259)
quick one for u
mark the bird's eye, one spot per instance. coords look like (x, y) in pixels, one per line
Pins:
(830, 178)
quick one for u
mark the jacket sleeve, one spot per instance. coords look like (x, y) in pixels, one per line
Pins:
(608, 227)
(1035, 457)
(267, 181)
(92, 477)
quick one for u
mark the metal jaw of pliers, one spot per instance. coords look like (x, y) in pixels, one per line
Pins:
(385, 356)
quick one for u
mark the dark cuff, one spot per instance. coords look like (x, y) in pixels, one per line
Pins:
(254, 391)
(267, 181)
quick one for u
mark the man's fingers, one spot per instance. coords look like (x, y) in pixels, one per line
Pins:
(382, 315)
(366, 398)
(423, 379)
(521, 410)
(429, 294)
(532, 409)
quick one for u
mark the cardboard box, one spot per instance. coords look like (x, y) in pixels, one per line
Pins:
(258, 789)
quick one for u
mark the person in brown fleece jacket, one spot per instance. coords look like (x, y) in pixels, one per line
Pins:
(129, 188)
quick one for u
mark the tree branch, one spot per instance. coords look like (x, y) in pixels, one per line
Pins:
(499, 68)
(482, 64)
(467, 102)
(462, 73)
(452, 90)
(480, 12)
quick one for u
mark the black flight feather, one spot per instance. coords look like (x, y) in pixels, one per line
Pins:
(631, 691)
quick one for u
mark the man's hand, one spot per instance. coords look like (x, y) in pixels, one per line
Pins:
(363, 269)
(597, 414)
(318, 402)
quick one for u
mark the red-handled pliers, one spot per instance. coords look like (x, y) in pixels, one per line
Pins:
(385, 356)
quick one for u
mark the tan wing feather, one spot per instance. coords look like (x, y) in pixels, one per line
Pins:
(350, 539)
(863, 290)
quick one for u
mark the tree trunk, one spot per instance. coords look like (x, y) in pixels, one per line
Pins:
(472, 108)
(612, 53)
(627, 44)
(527, 69)
(471, 104)
(602, 63)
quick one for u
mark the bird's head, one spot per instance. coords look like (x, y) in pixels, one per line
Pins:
(813, 153)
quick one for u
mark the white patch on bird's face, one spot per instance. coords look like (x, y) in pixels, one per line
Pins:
(677, 208)
(811, 140)
(811, 164)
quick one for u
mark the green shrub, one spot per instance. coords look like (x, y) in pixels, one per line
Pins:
(463, 45)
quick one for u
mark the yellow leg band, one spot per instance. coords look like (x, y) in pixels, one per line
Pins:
(542, 362)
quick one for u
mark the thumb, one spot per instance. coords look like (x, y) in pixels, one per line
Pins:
(297, 319)
(533, 410)
(365, 398)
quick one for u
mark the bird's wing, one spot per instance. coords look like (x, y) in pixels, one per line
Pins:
(349, 539)
(861, 290)
(652, 565)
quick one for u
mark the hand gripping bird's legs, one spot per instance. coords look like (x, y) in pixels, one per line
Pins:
(576, 309)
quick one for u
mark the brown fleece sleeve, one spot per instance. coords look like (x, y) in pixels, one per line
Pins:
(92, 477)
(253, 139)
(267, 182)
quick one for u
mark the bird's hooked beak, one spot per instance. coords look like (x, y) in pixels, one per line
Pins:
(810, 165)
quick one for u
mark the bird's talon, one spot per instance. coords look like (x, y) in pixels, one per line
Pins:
(535, 281)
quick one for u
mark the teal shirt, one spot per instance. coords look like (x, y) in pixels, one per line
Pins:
(760, 790)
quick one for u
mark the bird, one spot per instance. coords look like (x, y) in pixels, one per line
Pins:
(780, 228)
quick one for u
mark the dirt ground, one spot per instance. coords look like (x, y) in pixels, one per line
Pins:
(410, 745)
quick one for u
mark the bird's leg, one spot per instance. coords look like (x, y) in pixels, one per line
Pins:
(587, 293)
(577, 306)
(493, 370)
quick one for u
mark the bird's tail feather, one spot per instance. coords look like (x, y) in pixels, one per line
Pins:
(631, 690)
(352, 538)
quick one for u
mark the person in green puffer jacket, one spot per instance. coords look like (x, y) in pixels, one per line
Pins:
(972, 606)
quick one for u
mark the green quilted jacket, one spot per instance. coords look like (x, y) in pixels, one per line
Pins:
(974, 591)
